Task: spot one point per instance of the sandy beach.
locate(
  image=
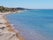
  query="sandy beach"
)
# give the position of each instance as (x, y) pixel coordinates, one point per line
(6, 27)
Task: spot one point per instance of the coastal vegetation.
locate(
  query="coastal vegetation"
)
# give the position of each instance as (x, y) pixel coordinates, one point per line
(6, 9)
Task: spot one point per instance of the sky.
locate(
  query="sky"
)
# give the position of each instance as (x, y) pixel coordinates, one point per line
(31, 4)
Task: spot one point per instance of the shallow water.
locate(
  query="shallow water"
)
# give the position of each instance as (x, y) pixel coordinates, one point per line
(34, 24)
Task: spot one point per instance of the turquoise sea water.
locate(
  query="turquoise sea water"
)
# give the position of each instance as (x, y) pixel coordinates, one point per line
(34, 24)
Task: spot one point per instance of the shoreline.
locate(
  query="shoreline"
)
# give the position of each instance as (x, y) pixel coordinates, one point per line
(6, 13)
(8, 25)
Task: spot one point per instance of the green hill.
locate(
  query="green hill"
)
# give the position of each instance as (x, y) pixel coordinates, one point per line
(6, 9)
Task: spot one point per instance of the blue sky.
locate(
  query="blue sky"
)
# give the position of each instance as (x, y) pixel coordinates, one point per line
(33, 4)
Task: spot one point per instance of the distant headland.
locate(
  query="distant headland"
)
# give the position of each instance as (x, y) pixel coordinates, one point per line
(7, 9)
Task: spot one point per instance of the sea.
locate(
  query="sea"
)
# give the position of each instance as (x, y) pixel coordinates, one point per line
(35, 24)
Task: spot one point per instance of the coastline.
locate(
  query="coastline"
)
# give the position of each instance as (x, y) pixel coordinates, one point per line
(6, 13)
(8, 25)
